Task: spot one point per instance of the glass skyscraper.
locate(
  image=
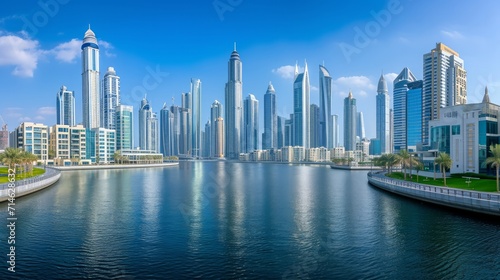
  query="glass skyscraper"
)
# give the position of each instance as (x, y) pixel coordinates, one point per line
(360, 127)
(301, 115)
(196, 117)
(65, 106)
(215, 114)
(325, 108)
(148, 128)
(124, 120)
(399, 106)
(166, 131)
(383, 125)
(270, 140)
(90, 81)
(110, 98)
(350, 120)
(234, 107)
(315, 126)
(251, 124)
(414, 125)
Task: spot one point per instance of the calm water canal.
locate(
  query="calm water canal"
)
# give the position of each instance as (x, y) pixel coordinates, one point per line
(242, 220)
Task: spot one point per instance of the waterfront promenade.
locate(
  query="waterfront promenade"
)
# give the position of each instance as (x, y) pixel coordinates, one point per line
(114, 166)
(31, 185)
(480, 202)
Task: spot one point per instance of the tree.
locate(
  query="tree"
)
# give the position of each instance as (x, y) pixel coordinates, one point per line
(406, 160)
(419, 167)
(494, 160)
(118, 157)
(444, 161)
(11, 157)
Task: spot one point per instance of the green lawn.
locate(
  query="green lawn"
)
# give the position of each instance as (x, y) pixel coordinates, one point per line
(19, 176)
(484, 185)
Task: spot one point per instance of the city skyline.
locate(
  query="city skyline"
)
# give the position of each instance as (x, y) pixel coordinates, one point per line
(54, 48)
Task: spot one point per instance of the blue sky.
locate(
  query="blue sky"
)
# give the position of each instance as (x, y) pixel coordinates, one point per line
(356, 40)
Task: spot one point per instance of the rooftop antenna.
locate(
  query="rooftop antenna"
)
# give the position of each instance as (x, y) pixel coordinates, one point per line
(234, 46)
(173, 99)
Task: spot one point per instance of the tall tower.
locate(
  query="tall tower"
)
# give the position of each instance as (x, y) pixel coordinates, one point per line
(270, 139)
(383, 116)
(301, 115)
(444, 83)
(196, 117)
(325, 108)
(110, 98)
(350, 116)
(215, 114)
(124, 123)
(66, 107)
(234, 106)
(315, 126)
(219, 138)
(90, 81)
(360, 127)
(148, 128)
(166, 131)
(399, 105)
(251, 124)
(186, 130)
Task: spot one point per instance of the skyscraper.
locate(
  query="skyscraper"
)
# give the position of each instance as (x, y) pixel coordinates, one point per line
(219, 138)
(383, 117)
(251, 124)
(325, 108)
(360, 127)
(280, 132)
(336, 130)
(66, 107)
(196, 117)
(186, 136)
(176, 126)
(315, 126)
(215, 114)
(207, 139)
(414, 116)
(148, 128)
(399, 105)
(444, 83)
(124, 123)
(234, 106)
(166, 131)
(301, 115)
(270, 140)
(90, 81)
(110, 98)
(350, 117)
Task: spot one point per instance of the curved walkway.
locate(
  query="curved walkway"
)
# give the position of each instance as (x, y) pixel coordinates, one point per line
(30, 185)
(113, 166)
(481, 202)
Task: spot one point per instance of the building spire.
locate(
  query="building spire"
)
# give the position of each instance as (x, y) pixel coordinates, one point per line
(486, 98)
(234, 46)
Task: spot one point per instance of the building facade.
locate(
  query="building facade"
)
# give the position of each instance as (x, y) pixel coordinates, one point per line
(148, 128)
(325, 109)
(234, 107)
(215, 114)
(90, 81)
(350, 122)
(124, 123)
(383, 118)
(65, 107)
(301, 115)
(315, 126)
(166, 131)
(414, 117)
(196, 118)
(270, 137)
(68, 144)
(251, 124)
(399, 105)
(110, 98)
(32, 138)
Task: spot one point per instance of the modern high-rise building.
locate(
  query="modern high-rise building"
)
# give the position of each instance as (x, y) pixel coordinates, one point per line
(90, 81)
(186, 136)
(33, 138)
(269, 139)
(148, 128)
(251, 124)
(301, 115)
(110, 98)
(68, 144)
(414, 116)
(289, 131)
(336, 130)
(207, 139)
(166, 131)
(215, 114)
(280, 135)
(176, 129)
(219, 138)
(360, 127)
(350, 121)
(124, 123)
(4, 137)
(196, 118)
(315, 126)
(65, 107)
(444, 83)
(383, 117)
(234, 106)
(325, 108)
(399, 106)
(100, 145)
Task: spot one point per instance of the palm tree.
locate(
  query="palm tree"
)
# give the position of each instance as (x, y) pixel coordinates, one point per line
(419, 167)
(494, 160)
(11, 157)
(444, 161)
(403, 158)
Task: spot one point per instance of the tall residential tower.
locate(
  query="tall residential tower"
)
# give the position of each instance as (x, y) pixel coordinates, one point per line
(234, 106)
(66, 107)
(90, 81)
(383, 117)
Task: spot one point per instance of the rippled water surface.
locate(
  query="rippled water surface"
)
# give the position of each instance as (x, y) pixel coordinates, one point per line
(242, 220)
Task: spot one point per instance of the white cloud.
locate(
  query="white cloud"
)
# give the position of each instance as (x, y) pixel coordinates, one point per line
(46, 111)
(107, 47)
(453, 34)
(67, 52)
(21, 53)
(314, 88)
(358, 85)
(389, 78)
(287, 72)
(24, 119)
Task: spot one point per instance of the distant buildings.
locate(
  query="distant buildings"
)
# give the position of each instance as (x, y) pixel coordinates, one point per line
(382, 127)
(110, 98)
(196, 118)
(270, 136)
(315, 126)
(350, 122)
(217, 140)
(360, 127)
(90, 81)
(251, 124)
(166, 131)
(124, 124)
(65, 107)
(148, 128)
(301, 115)
(234, 107)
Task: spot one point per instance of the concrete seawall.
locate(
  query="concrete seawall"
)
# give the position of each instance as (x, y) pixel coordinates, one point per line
(31, 185)
(481, 202)
(113, 166)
